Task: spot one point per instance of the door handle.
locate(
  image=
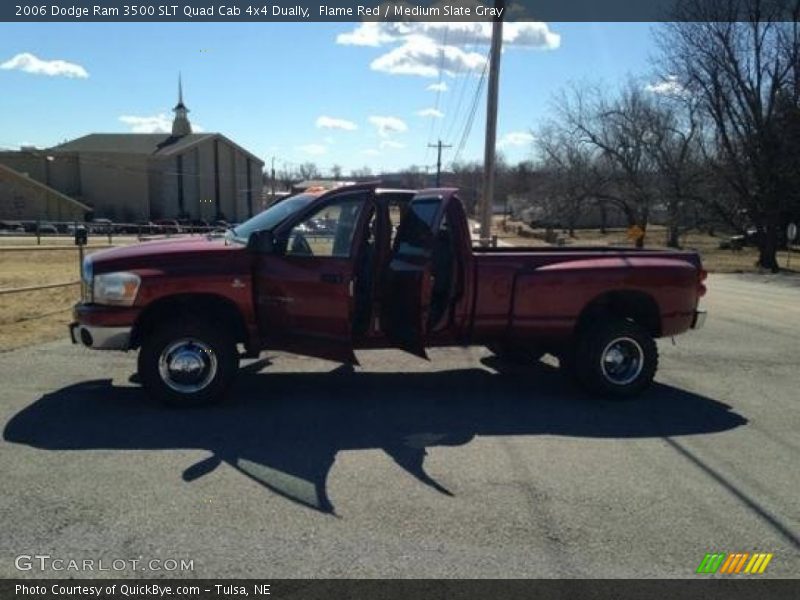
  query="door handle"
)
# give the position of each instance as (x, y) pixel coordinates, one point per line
(331, 278)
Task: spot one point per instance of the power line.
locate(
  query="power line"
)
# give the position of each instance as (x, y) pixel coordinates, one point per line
(473, 110)
(457, 94)
(445, 33)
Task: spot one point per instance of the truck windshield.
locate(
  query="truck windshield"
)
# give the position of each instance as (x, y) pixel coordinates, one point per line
(270, 218)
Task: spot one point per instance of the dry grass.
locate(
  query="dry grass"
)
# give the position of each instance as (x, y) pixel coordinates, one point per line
(33, 317)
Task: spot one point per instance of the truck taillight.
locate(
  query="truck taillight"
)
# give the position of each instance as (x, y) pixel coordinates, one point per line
(702, 274)
(701, 290)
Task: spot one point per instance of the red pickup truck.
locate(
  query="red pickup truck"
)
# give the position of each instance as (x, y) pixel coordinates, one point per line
(327, 273)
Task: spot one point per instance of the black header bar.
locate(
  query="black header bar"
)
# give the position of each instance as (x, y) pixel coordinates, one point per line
(704, 587)
(348, 11)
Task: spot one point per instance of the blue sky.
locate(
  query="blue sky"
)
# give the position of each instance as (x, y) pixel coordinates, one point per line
(266, 86)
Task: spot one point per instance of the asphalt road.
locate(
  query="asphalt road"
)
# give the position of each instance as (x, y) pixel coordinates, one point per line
(461, 467)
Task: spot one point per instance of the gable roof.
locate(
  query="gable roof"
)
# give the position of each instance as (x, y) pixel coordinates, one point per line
(7, 172)
(129, 143)
(151, 144)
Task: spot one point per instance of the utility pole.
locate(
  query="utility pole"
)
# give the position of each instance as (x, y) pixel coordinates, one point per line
(272, 179)
(491, 126)
(439, 145)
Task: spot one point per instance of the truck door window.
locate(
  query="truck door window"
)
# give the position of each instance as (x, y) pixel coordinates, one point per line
(329, 231)
(415, 235)
(396, 204)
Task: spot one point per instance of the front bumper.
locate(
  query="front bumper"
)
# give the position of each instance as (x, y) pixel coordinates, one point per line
(699, 319)
(100, 338)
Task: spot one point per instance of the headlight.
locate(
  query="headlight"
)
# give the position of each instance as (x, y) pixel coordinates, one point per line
(118, 289)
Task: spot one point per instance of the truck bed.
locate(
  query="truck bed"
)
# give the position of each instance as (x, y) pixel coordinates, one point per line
(542, 291)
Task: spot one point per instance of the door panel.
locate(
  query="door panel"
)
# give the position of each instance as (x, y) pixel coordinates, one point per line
(407, 289)
(304, 290)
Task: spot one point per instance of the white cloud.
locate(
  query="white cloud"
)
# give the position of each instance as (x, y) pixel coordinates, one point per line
(160, 123)
(371, 152)
(430, 112)
(426, 48)
(392, 144)
(516, 138)
(388, 125)
(368, 33)
(437, 87)
(30, 63)
(313, 149)
(325, 122)
(530, 34)
(669, 86)
(421, 55)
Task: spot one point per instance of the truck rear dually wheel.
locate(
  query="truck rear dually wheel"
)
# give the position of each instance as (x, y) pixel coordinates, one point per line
(617, 359)
(188, 363)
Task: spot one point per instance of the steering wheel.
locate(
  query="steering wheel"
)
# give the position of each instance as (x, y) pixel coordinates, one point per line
(300, 245)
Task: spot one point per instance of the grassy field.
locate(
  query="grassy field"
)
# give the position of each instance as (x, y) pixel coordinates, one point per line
(33, 317)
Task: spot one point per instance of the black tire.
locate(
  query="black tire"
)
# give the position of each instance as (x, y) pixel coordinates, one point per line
(205, 358)
(517, 354)
(617, 359)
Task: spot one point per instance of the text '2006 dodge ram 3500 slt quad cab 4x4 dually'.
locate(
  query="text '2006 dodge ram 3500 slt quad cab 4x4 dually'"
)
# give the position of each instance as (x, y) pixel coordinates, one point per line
(323, 274)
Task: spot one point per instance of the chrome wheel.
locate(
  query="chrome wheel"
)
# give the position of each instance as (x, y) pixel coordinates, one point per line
(187, 365)
(622, 361)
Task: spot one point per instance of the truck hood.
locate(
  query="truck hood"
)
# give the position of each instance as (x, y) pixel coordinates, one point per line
(146, 254)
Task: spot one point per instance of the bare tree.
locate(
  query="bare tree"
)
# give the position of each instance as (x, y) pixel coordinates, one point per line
(741, 59)
(362, 173)
(674, 143)
(336, 172)
(619, 129)
(286, 176)
(413, 177)
(308, 170)
(573, 180)
(468, 178)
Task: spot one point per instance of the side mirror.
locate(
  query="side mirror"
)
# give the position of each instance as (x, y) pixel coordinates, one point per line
(262, 242)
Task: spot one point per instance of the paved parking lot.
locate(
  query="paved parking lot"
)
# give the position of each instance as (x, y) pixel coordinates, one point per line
(460, 467)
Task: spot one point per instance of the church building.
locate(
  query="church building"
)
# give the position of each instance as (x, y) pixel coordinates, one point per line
(130, 177)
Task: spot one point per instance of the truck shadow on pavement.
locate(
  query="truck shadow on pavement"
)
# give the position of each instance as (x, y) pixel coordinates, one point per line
(285, 429)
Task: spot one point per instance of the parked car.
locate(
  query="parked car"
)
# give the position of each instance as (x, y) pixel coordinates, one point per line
(100, 226)
(47, 228)
(11, 227)
(166, 226)
(186, 304)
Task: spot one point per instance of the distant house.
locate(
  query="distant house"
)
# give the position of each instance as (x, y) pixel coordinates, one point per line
(143, 176)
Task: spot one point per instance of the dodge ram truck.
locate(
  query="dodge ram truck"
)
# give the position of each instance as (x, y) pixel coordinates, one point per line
(326, 273)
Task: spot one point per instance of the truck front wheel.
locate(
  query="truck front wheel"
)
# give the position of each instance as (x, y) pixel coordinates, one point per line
(188, 363)
(617, 359)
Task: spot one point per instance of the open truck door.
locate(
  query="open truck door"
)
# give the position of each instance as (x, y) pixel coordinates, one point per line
(305, 283)
(408, 278)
